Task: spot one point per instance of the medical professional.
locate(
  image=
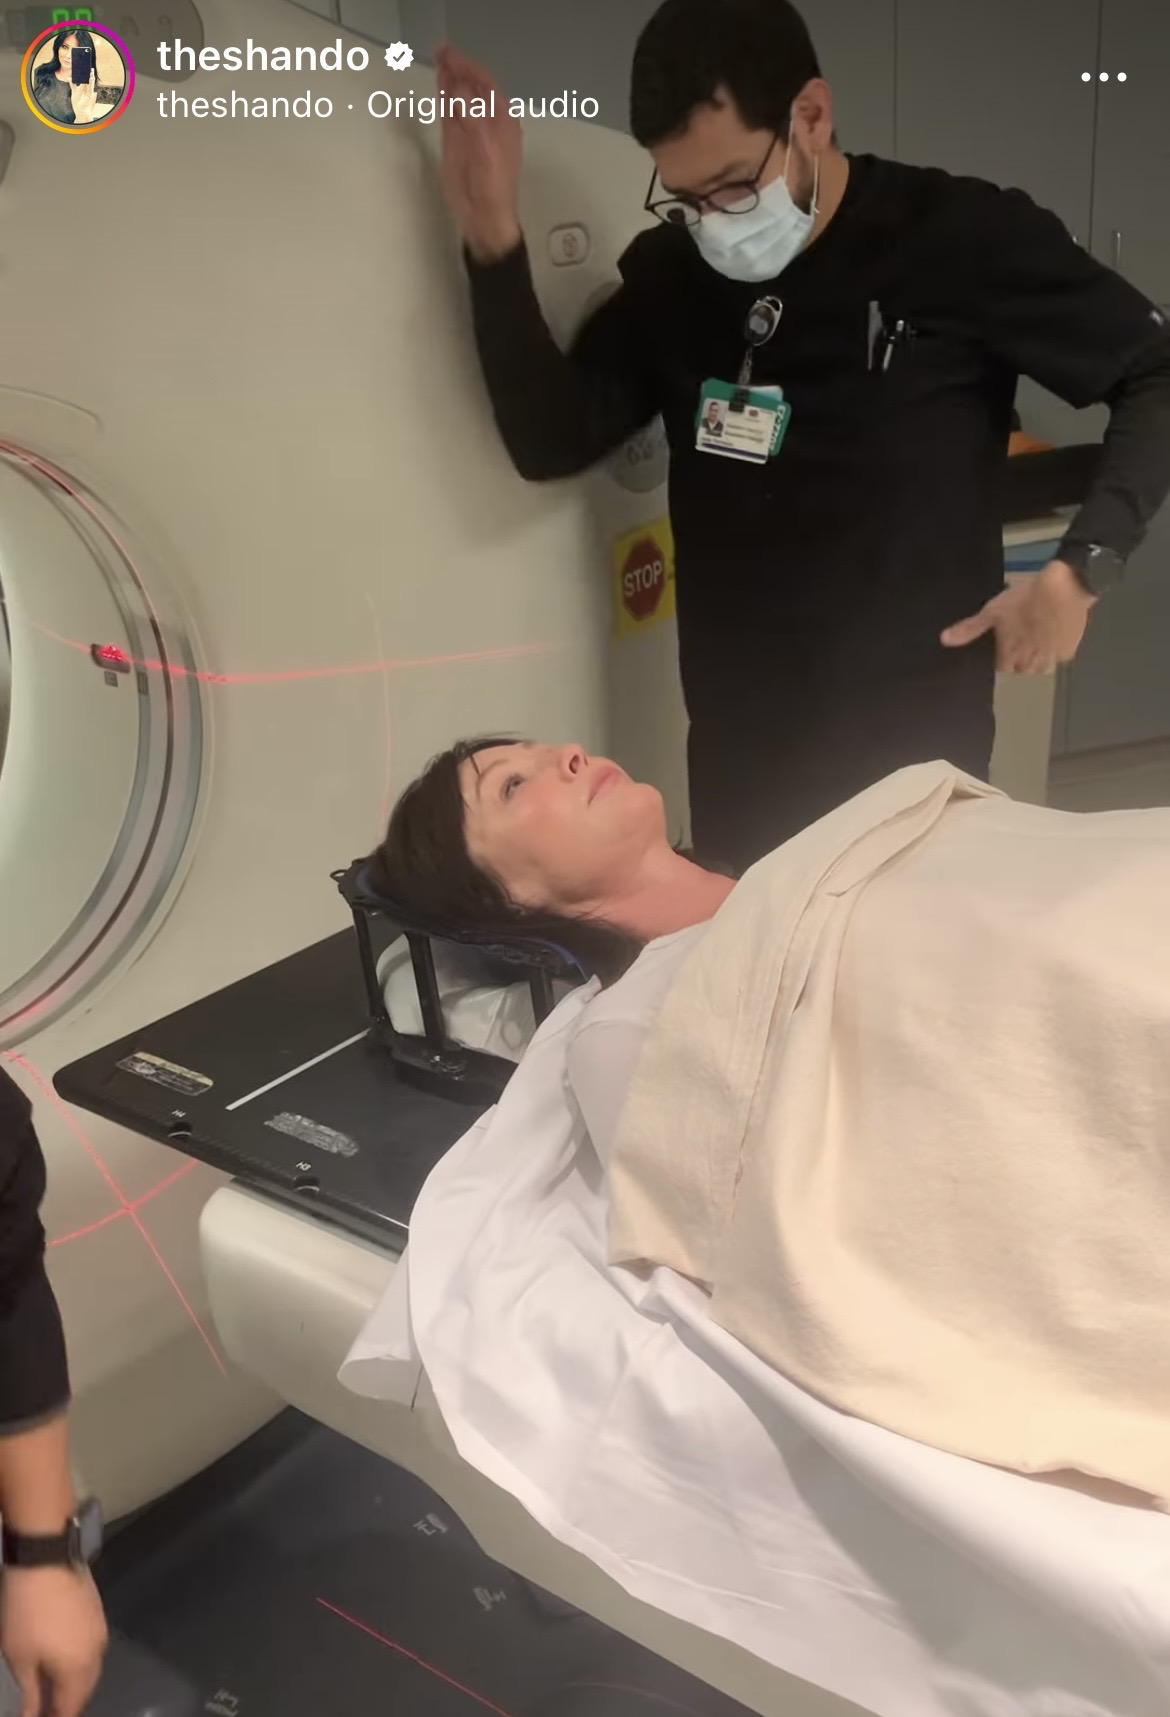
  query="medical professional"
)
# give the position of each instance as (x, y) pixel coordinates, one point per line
(839, 563)
(52, 1629)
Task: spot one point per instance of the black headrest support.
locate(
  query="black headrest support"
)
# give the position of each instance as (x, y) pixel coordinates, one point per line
(529, 953)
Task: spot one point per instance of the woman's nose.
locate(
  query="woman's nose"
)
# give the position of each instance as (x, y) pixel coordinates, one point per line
(572, 759)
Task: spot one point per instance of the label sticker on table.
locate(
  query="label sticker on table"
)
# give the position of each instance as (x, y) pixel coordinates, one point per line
(312, 1133)
(166, 1073)
(643, 564)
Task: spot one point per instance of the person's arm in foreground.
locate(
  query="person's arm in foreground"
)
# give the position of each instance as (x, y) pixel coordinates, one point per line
(1057, 315)
(52, 1627)
(557, 413)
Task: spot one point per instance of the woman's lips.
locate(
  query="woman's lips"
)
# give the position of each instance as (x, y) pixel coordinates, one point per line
(604, 778)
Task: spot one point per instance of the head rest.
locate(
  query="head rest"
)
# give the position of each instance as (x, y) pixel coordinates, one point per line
(528, 952)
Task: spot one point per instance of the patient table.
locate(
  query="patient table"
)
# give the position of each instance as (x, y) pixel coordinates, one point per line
(275, 1081)
(931, 1584)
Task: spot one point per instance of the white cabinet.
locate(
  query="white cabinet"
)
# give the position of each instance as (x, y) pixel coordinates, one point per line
(1131, 183)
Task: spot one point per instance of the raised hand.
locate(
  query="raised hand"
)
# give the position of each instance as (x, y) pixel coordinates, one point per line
(481, 159)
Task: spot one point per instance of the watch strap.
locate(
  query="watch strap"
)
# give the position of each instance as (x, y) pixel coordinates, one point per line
(75, 1546)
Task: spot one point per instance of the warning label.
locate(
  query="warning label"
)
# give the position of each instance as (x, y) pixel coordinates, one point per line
(159, 1072)
(308, 1132)
(644, 578)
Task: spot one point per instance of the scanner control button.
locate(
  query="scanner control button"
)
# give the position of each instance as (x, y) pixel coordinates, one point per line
(568, 245)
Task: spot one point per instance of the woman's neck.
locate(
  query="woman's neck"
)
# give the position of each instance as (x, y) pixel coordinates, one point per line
(676, 895)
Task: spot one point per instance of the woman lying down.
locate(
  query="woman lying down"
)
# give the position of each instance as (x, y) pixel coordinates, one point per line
(898, 1100)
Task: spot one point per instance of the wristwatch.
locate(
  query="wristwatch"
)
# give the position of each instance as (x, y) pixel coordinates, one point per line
(1098, 568)
(75, 1547)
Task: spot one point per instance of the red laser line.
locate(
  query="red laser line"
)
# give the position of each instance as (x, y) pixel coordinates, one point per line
(205, 676)
(23, 1062)
(178, 1292)
(387, 721)
(584, 1686)
(90, 1228)
(413, 1657)
(128, 1208)
(163, 1185)
(116, 1215)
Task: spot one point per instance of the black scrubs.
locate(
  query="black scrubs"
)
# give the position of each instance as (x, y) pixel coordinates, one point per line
(34, 1374)
(812, 591)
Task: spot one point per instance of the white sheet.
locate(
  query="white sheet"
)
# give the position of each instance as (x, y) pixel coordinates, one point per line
(478, 1011)
(912, 1582)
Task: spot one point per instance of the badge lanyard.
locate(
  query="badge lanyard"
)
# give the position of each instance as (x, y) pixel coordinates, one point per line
(763, 319)
(735, 419)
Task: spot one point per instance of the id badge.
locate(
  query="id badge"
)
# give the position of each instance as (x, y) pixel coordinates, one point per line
(746, 423)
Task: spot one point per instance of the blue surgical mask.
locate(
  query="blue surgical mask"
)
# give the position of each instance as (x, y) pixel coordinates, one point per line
(760, 243)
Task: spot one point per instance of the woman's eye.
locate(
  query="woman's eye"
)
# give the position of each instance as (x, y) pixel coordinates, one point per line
(511, 784)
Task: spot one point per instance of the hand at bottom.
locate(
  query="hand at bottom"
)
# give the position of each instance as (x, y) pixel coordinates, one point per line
(53, 1634)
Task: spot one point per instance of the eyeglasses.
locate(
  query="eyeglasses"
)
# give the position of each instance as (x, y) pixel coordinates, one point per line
(735, 199)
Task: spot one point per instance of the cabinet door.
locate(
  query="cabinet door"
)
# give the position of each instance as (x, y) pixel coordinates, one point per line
(1131, 228)
(1117, 692)
(993, 88)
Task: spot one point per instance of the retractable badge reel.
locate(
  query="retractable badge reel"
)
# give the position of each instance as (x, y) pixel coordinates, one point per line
(735, 419)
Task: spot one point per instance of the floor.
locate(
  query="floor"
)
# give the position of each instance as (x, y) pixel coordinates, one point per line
(305, 1577)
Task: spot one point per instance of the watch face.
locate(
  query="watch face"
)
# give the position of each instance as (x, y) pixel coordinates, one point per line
(1103, 568)
(89, 1525)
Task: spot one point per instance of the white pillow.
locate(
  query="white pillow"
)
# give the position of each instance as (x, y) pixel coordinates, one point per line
(478, 1011)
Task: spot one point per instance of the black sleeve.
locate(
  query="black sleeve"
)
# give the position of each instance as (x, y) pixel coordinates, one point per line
(1132, 479)
(558, 413)
(34, 1374)
(1047, 309)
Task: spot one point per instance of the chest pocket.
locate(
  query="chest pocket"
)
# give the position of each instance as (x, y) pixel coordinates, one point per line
(848, 376)
(822, 361)
(914, 363)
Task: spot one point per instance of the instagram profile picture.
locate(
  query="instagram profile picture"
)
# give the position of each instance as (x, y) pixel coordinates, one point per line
(78, 77)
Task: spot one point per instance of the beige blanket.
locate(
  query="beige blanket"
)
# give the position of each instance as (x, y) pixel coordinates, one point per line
(906, 1116)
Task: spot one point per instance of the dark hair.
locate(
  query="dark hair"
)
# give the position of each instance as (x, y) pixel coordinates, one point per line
(53, 66)
(423, 863)
(760, 51)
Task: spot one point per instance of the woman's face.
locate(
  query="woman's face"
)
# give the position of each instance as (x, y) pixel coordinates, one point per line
(65, 55)
(563, 831)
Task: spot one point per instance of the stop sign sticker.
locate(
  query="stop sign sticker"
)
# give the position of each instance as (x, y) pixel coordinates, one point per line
(644, 577)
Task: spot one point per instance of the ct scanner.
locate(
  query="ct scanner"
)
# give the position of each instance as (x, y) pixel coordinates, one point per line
(261, 553)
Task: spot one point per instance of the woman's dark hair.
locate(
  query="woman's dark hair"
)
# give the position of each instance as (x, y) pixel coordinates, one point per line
(760, 51)
(423, 864)
(53, 66)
